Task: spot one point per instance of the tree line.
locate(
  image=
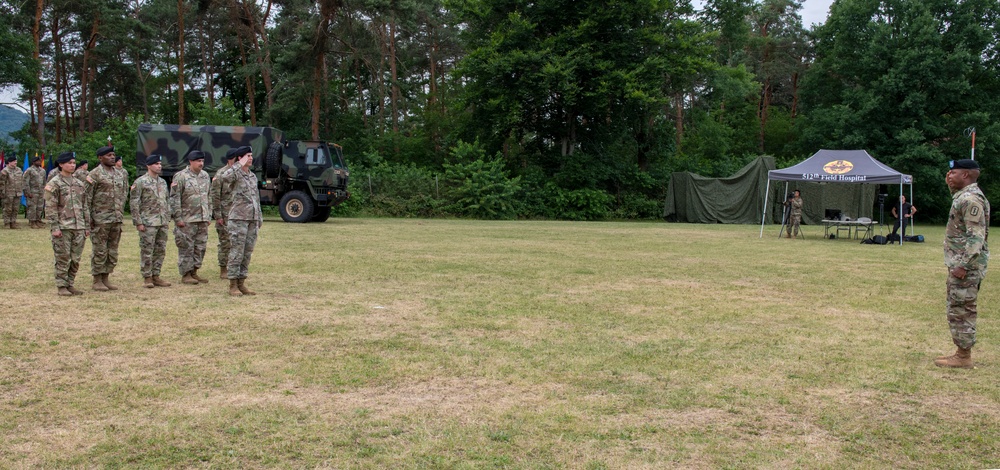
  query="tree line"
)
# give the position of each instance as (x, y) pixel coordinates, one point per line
(574, 109)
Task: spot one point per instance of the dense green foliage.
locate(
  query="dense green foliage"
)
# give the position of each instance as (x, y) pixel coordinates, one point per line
(579, 109)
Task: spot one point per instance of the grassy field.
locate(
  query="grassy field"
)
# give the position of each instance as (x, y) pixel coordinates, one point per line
(468, 344)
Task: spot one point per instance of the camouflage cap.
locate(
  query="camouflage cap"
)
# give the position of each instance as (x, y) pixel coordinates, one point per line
(195, 155)
(105, 150)
(65, 157)
(964, 164)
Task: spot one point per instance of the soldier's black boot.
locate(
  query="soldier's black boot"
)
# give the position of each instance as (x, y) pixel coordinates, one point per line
(99, 283)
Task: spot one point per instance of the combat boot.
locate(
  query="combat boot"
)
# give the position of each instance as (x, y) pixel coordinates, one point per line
(147, 282)
(223, 272)
(187, 279)
(962, 359)
(234, 289)
(160, 282)
(241, 285)
(13, 225)
(107, 282)
(64, 292)
(194, 274)
(74, 290)
(99, 283)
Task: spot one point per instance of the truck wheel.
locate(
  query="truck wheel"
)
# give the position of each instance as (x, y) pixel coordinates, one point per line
(322, 214)
(272, 160)
(296, 206)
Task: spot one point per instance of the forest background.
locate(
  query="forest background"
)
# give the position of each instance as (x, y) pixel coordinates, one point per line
(500, 109)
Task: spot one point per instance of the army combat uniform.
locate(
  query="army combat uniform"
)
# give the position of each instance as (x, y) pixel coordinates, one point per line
(221, 202)
(151, 209)
(794, 216)
(965, 246)
(11, 182)
(191, 203)
(243, 221)
(107, 191)
(67, 211)
(34, 190)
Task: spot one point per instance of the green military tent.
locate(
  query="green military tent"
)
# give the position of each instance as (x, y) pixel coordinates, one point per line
(692, 198)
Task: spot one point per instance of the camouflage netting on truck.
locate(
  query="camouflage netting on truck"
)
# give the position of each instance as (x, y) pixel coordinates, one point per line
(174, 142)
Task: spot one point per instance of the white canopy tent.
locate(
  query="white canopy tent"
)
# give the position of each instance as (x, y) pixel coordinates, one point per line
(838, 166)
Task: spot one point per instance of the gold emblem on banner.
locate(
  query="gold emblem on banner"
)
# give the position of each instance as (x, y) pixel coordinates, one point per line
(838, 167)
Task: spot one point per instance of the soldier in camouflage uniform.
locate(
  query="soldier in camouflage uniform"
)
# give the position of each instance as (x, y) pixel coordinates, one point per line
(151, 217)
(34, 193)
(11, 180)
(221, 202)
(243, 221)
(794, 214)
(107, 191)
(81, 172)
(966, 255)
(68, 215)
(191, 209)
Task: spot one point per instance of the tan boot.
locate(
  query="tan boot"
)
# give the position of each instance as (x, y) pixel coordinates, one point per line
(74, 291)
(962, 359)
(194, 274)
(187, 279)
(223, 272)
(13, 225)
(160, 282)
(241, 285)
(234, 289)
(99, 283)
(147, 282)
(107, 283)
(64, 292)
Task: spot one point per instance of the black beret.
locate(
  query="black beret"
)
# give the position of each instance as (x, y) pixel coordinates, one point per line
(118, 158)
(105, 150)
(65, 157)
(153, 159)
(964, 164)
(195, 155)
(231, 153)
(35, 159)
(241, 151)
(11, 160)
(81, 162)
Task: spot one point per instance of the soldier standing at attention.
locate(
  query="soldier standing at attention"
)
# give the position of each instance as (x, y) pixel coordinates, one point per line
(81, 171)
(243, 221)
(151, 217)
(966, 255)
(221, 202)
(34, 192)
(191, 209)
(69, 219)
(795, 213)
(11, 179)
(107, 191)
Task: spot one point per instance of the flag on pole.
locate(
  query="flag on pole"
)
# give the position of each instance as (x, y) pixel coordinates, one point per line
(3, 161)
(24, 200)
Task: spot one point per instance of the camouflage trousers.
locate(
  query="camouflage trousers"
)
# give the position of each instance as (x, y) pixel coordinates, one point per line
(793, 223)
(961, 310)
(191, 241)
(224, 244)
(104, 238)
(36, 206)
(68, 248)
(243, 235)
(11, 204)
(152, 250)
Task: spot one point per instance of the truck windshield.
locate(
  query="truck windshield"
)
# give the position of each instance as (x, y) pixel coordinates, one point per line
(315, 156)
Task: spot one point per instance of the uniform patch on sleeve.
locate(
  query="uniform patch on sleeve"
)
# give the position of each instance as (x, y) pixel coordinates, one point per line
(974, 211)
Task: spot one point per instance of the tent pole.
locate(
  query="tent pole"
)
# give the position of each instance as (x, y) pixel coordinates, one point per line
(901, 218)
(784, 213)
(763, 215)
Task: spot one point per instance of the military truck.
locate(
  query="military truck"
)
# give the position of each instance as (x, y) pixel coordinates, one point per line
(304, 178)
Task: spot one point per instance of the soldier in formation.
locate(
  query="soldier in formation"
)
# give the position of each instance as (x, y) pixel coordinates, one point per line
(107, 191)
(34, 193)
(82, 171)
(242, 221)
(221, 203)
(151, 217)
(191, 209)
(11, 181)
(966, 255)
(68, 216)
